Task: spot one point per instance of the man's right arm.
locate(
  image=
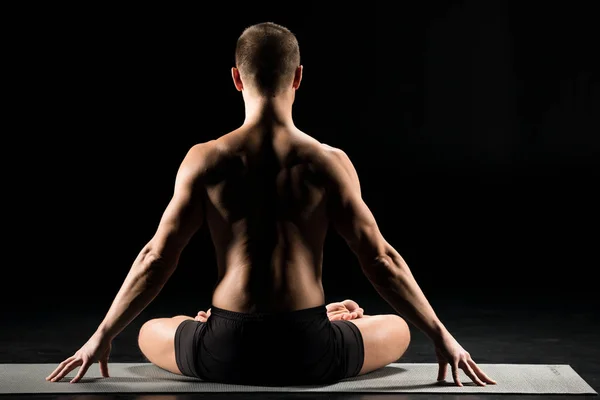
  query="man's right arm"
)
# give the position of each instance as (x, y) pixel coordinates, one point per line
(380, 262)
(386, 269)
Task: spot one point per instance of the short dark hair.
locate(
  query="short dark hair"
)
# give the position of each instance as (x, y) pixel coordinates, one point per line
(268, 54)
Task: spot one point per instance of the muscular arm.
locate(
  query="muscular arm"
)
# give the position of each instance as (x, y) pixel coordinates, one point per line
(381, 263)
(159, 257)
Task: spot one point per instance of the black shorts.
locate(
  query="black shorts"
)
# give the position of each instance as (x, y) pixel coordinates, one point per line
(291, 348)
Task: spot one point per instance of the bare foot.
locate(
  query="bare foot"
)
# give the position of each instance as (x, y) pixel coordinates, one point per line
(345, 310)
(202, 316)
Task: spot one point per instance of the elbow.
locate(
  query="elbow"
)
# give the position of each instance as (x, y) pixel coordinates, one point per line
(378, 267)
(383, 262)
(153, 268)
(149, 256)
(151, 259)
(384, 266)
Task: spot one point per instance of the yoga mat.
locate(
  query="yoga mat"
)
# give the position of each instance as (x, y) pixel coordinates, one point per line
(393, 378)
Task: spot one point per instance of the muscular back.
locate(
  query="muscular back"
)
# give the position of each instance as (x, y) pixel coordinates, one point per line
(266, 193)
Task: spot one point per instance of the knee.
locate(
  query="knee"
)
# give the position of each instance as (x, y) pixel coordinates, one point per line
(401, 323)
(145, 331)
(401, 331)
(180, 318)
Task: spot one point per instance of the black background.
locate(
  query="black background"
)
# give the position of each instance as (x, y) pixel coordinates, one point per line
(473, 127)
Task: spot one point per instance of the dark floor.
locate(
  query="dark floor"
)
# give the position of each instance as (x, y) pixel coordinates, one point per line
(527, 332)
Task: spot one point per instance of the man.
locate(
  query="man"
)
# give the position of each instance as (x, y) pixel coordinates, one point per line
(268, 193)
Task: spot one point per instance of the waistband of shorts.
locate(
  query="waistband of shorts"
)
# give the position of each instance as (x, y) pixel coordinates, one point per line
(296, 315)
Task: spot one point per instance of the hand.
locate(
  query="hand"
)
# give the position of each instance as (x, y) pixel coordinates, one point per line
(202, 316)
(448, 351)
(345, 311)
(96, 349)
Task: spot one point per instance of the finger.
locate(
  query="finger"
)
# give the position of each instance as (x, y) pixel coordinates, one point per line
(455, 375)
(480, 373)
(350, 304)
(360, 312)
(338, 318)
(61, 372)
(469, 371)
(66, 369)
(82, 371)
(104, 368)
(59, 368)
(442, 371)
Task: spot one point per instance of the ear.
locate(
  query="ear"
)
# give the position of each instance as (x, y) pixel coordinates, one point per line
(237, 79)
(297, 77)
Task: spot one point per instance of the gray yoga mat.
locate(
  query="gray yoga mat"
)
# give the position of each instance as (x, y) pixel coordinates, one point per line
(394, 378)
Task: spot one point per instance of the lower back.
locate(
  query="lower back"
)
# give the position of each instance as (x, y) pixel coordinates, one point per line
(285, 286)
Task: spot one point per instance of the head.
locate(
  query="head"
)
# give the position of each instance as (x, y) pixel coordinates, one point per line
(267, 60)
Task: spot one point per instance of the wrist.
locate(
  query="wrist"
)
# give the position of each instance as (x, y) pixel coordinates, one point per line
(103, 334)
(437, 332)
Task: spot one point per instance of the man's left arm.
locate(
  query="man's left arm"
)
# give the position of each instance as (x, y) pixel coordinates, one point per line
(153, 266)
(158, 259)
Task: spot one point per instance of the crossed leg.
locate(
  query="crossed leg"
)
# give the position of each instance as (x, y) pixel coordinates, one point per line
(157, 341)
(385, 338)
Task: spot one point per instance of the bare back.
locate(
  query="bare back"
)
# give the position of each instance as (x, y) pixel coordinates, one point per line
(266, 208)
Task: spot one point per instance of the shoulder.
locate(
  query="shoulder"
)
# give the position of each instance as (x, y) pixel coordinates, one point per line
(335, 159)
(321, 154)
(199, 152)
(339, 169)
(198, 160)
(336, 153)
(331, 163)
